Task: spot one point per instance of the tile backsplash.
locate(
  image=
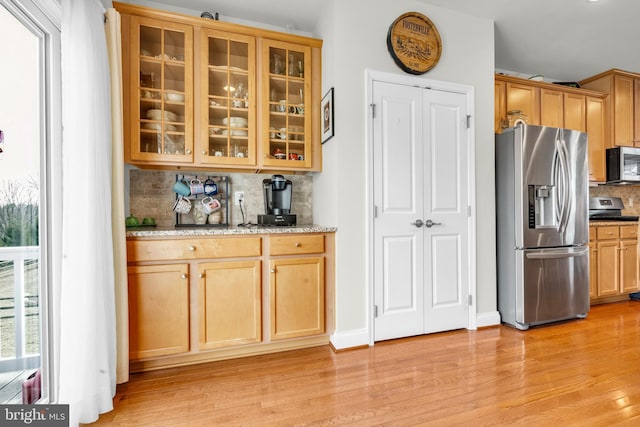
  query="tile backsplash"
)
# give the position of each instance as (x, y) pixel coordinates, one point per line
(630, 196)
(151, 195)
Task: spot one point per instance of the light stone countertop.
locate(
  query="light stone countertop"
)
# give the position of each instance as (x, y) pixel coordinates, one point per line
(224, 231)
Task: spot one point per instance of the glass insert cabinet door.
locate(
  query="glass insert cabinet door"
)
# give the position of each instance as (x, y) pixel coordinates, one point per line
(288, 91)
(162, 94)
(229, 105)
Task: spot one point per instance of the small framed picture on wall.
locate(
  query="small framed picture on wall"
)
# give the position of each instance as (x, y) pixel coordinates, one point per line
(326, 109)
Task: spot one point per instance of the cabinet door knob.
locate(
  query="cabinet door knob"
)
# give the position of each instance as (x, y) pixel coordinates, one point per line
(266, 156)
(188, 151)
(298, 244)
(204, 152)
(200, 276)
(273, 270)
(192, 248)
(184, 276)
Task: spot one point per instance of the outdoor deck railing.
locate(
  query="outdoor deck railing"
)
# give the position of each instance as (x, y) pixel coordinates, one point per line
(18, 305)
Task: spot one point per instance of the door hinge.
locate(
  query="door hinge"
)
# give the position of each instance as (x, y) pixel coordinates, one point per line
(470, 300)
(373, 110)
(468, 121)
(375, 311)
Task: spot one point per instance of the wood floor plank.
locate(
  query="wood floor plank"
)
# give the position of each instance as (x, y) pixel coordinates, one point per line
(582, 372)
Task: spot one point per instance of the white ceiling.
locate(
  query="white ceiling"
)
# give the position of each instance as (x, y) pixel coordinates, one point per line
(565, 40)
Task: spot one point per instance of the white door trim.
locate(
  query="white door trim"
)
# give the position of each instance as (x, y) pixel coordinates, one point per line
(370, 77)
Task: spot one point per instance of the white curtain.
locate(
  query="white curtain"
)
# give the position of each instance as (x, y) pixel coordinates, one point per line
(114, 44)
(87, 349)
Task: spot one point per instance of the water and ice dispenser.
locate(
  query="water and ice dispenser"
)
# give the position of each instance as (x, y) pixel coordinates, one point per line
(542, 206)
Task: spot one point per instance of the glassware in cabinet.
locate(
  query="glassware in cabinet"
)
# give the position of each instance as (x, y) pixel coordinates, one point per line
(162, 120)
(288, 140)
(229, 105)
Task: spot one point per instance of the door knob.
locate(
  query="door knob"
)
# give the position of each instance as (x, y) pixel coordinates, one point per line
(418, 223)
(430, 223)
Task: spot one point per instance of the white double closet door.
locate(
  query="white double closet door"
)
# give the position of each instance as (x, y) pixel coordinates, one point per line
(421, 224)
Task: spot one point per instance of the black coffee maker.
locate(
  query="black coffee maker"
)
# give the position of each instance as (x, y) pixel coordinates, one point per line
(277, 202)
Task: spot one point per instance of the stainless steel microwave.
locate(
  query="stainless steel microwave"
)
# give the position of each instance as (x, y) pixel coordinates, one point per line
(623, 165)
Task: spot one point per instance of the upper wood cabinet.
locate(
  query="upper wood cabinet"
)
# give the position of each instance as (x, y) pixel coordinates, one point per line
(288, 116)
(622, 116)
(636, 112)
(227, 101)
(500, 105)
(595, 123)
(209, 94)
(551, 108)
(158, 91)
(574, 112)
(525, 99)
(540, 103)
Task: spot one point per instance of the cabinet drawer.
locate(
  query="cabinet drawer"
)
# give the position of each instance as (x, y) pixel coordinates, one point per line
(158, 250)
(293, 245)
(605, 233)
(628, 231)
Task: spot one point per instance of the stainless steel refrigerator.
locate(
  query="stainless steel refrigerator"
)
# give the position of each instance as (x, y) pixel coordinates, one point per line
(542, 225)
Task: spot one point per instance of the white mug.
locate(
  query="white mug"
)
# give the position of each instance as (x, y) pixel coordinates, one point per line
(196, 186)
(210, 205)
(182, 206)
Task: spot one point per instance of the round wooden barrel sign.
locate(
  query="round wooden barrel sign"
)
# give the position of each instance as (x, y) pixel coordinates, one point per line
(414, 43)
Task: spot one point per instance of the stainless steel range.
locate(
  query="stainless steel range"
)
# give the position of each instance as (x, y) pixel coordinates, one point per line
(608, 209)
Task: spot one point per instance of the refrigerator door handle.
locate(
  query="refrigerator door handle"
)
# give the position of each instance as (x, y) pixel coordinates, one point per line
(557, 183)
(562, 179)
(558, 254)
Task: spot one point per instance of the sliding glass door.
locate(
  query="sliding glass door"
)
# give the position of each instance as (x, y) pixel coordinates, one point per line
(26, 144)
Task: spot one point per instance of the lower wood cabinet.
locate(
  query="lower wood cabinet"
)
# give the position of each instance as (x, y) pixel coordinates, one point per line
(614, 262)
(229, 303)
(200, 299)
(158, 310)
(296, 285)
(297, 297)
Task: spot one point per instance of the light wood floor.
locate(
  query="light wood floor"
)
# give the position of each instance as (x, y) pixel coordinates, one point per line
(582, 372)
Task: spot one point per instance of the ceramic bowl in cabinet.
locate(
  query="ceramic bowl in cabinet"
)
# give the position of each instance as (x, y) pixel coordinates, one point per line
(235, 122)
(235, 132)
(174, 97)
(162, 115)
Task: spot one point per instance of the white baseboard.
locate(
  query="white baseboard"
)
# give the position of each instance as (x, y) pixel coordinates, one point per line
(360, 337)
(490, 318)
(349, 339)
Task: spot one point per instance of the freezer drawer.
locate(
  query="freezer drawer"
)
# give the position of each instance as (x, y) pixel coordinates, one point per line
(554, 285)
